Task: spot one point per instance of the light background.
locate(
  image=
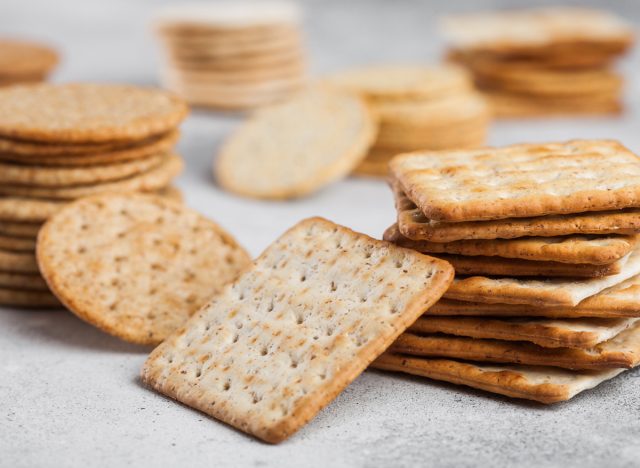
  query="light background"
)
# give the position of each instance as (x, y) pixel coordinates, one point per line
(69, 395)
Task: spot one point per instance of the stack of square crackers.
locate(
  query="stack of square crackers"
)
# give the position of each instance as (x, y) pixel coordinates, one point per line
(25, 61)
(63, 142)
(418, 108)
(543, 61)
(233, 56)
(543, 239)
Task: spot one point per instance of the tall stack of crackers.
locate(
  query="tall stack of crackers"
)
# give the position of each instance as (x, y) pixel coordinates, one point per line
(543, 61)
(25, 61)
(418, 108)
(63, 142)
(234, 56)
(543, 238)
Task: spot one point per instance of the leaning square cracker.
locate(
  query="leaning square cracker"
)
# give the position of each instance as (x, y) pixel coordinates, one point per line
(520, 180)
(549, 292)
(543, 384)
(282, 341)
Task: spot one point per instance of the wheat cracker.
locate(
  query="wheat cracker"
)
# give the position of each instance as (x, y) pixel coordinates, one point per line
(17, 244)
(18, 262)
(20, 59)
(22, 281)
(23, 230)
(28, 299)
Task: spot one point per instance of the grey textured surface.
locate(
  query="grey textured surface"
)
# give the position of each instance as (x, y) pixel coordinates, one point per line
(70, 396)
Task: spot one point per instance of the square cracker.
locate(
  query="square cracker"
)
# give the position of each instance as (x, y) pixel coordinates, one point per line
(282, 341)
(413, 224)
(543, 384)
(548, 333)
(549, 292)
(520, 180)
(597, 250)
(623, 350)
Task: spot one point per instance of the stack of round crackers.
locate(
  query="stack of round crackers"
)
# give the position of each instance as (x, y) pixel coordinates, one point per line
(25, 61)
(544, 241)
(233, 56)
(63, 142)
(418, 108)
(543, 61)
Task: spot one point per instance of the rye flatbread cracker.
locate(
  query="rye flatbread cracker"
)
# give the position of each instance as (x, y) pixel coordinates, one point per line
(520, 180)
(413, 224)
(23, 262)
(83, 112)
(597, 250)
(293, 331)
(296, 147)
(136, 266)
(548, 333)
(623, 350)
(543, 384)
(23, 281)
(28, 299)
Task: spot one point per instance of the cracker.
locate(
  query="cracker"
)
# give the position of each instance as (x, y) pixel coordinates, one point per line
(82, 112)
(22, 281)
(403, 82)
(597, 250)
(623, 350)
(292, 332)
(17, 244)
(543, 384)
(296, 147)
(549, 333)
(18, 262)
(136, 266)
(413, 224)
(19, 59)
(20, 229)
(28, 299)
(499, 266)
(42, 176)
(550, 292)
(524, 180)
(149, 181)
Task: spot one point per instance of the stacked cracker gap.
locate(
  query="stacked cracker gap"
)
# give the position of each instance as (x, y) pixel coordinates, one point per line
(418, 108)
(234, 56)
(543, 239)
(25, 61)
(543, 61)
(63, 142)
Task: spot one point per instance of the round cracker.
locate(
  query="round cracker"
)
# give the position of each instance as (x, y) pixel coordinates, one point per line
(296, 147)
(23, 262)
(42, 176)
(17, 244)
(20, 59)
(28, 299)
(150, 181)
(19, 229)
(24, 281)
(136, 266)
(86, 112)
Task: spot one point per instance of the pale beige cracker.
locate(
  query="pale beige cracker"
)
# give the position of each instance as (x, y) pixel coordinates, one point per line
(376, 164)
(549, 292)
(229, 90)
(83, 112)
(136, 266)
(241, 76)
(623, 350)
(455, 138)
(18, 262)
(413, 224)
(26, 230)
(542, 384)
(22, 58)
(28, 299)
(500, 266)
(22, 281)
(245, 62)
(403, 82)
(243, 34)
(296, 147)
(520, 180)
(27, 151)
(292, 332)
(597, 250)
(17, 244)
(43, 176)
(549, 333)
(150, 181)
(214, 48)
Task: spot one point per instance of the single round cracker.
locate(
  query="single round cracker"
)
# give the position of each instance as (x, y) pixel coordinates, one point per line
(231, 76)
(86, 112)
(296, 147)
(42, 176)
(21, 58)
(392, 82)
(28, 299)
(24, 281)
(150, 181)
(17, 244)
(23, 262)
(136, 266)
(245, 62)
(19, 229)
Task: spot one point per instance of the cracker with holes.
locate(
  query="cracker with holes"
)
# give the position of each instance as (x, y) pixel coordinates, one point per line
(294, 330)
(136, 266)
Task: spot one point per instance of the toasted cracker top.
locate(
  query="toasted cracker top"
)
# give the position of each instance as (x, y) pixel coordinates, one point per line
(87, 112)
